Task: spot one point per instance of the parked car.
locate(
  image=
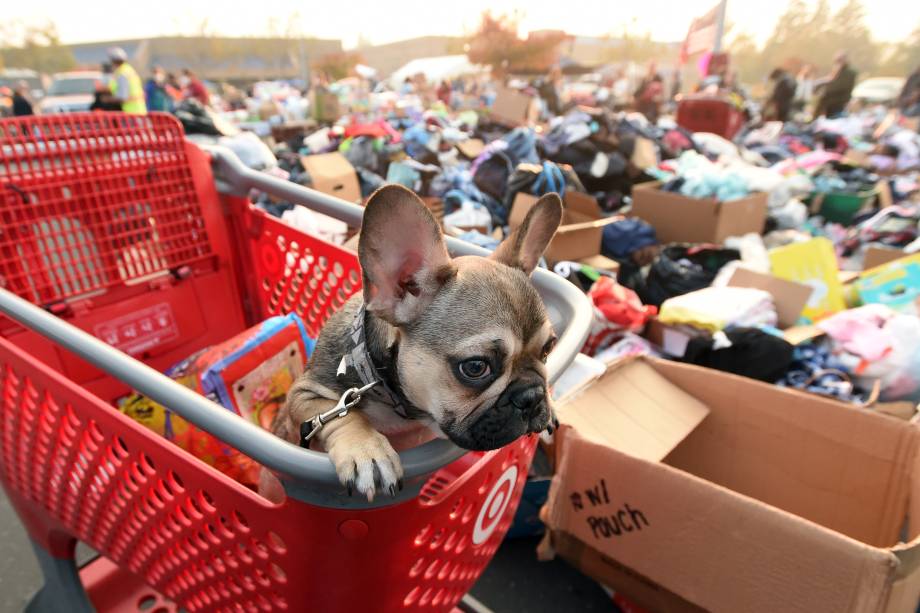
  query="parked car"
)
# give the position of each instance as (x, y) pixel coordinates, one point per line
(879, 90)
(71, 92)
(10, 77)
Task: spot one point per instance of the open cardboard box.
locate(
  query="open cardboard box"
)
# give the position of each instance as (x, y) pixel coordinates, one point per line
(688, 489)
(513, 107)
(333, 174)
(789, 298)
(578, 238)
(680, 219)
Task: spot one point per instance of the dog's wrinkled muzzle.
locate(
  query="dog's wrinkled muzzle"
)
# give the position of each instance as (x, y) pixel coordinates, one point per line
(521, 409)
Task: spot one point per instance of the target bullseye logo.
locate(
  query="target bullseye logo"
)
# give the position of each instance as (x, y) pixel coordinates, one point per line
(493, 508)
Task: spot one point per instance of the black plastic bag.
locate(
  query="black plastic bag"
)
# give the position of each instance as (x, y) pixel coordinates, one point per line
(492, 175)
(681, 269)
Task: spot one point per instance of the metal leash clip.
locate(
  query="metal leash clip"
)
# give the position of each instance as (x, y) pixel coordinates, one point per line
(347, 401)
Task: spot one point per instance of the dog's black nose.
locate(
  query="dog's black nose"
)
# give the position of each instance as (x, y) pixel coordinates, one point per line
(527, 400)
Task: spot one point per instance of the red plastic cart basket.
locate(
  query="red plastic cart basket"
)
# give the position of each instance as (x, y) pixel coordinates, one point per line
(114, 227)
(709, 114)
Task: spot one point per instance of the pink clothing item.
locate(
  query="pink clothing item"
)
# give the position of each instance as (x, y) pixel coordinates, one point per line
(862, 331)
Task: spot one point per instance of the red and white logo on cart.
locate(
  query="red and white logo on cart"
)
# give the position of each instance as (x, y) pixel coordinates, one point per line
(140, 330)
(493, 508)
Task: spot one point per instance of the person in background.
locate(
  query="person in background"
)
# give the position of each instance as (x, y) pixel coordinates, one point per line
(444, 93)
(407, 87)
(804, 87)
(102, 96)
(780, 103)
(22, 106)
(173, 88)
(838, 88)
(155, 92)
(126, 88)
(194, 88)
(619, 91)
(909, 98)
(650, 93)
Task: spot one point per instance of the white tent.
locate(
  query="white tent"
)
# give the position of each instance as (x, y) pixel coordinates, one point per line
(436, 69)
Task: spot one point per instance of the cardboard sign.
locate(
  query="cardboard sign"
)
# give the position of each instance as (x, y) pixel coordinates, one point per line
(332, 174)
(680, 219)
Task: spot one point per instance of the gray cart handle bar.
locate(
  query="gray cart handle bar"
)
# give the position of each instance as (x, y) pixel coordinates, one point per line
(307, 475)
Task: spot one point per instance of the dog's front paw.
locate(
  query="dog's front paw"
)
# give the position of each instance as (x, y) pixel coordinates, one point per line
(366, 463)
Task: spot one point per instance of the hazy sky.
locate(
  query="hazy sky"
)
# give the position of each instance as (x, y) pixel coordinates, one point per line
(385, 21)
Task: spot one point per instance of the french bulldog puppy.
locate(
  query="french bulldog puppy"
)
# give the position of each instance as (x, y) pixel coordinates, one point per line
(457, 347)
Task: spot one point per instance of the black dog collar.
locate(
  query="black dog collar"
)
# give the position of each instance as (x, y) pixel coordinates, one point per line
(357, 360)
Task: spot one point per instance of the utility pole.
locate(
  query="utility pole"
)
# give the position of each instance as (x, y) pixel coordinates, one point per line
(720, 27)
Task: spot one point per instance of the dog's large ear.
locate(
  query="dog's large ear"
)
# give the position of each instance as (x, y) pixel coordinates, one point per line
(402, 254)
(527, 243)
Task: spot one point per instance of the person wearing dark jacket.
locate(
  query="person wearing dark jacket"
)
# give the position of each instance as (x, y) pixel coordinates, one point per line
(21, 104)
(781, 99)
(909, 98)
(838, 89)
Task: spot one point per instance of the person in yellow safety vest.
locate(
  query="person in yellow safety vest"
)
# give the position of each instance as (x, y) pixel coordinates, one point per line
(127, 88)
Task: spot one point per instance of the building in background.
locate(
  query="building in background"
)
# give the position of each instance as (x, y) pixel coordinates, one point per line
(385, 59)
(215, 58)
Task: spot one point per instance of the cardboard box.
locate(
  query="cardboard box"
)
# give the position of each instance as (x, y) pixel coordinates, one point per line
(513, 108)
(679, 219)
(895, 284)
(775, 500)
(471, 148)
(601, 262)
(332, 174)
(580, 233)
(789, 297)
(324, 105)
(877, 256)
(672, 339)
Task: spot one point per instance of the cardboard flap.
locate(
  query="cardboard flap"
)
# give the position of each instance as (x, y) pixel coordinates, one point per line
(471, 148)
(634, 410)
(584, 225)
(582, 371)
(583, 204)
(789, 297)
(879, 256)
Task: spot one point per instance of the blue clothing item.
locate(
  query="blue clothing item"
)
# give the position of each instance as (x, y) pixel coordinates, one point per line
(623, 238)
(814, 369)
(521, 146)
(157, 98)
(551, 179)
(416, 140)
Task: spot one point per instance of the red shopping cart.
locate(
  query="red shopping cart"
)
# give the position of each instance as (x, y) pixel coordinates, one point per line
(703, 113)
(124, 248)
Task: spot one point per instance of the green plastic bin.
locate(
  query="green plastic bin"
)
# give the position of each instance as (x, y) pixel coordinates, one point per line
(842, 207)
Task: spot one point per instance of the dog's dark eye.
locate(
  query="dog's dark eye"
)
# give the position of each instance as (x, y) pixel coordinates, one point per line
(548, 347)
(475, 369)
